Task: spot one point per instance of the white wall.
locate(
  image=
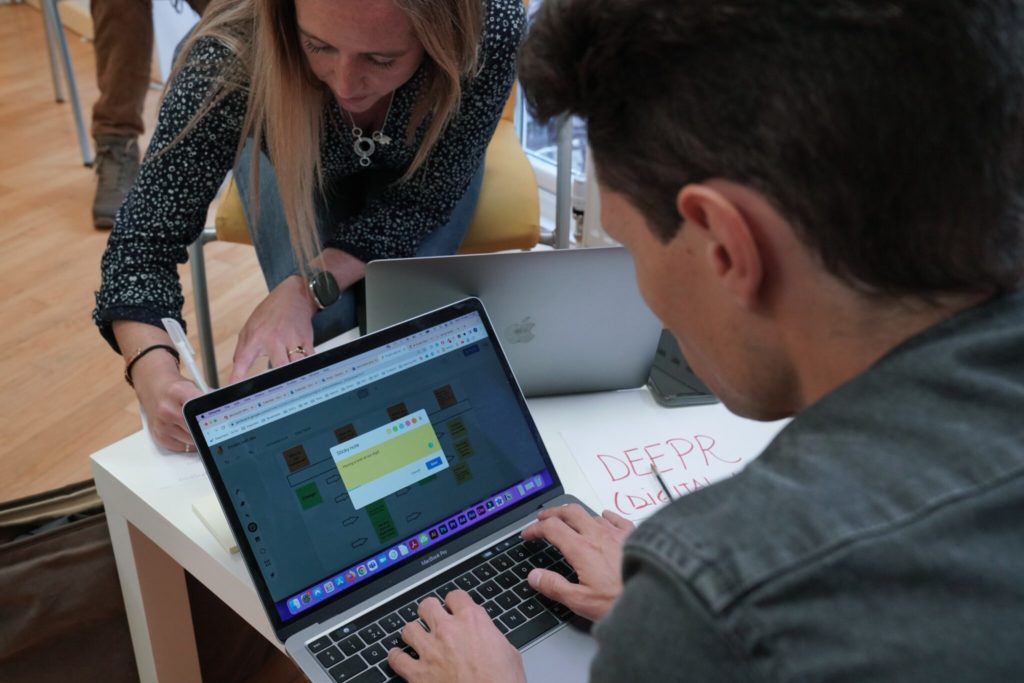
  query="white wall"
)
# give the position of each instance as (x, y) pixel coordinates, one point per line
(169, 28)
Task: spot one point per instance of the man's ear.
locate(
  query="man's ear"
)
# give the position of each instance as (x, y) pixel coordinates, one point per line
(728, 240)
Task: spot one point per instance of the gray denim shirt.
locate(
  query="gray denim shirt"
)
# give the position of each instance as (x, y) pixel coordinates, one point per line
(879, 537)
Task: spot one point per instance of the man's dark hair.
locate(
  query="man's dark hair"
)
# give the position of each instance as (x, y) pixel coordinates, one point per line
(891, 134)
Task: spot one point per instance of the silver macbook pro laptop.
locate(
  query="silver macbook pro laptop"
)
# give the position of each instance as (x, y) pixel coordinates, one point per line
(570, 320)
(365, 478)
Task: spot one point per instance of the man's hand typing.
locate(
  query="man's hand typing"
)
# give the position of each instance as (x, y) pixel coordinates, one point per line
(593, 546)
(462, 646)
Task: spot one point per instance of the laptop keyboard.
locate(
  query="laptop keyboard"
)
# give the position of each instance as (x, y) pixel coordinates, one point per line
(496, 578)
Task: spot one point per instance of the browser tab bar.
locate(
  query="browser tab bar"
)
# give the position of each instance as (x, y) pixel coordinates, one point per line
(348, 375)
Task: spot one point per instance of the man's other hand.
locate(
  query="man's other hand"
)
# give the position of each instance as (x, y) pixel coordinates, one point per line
(593, 546)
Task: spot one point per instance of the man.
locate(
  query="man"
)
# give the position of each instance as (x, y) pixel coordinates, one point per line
(123, 40)
(824, 203)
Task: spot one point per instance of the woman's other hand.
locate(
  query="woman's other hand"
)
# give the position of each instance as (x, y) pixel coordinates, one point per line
(281, 328)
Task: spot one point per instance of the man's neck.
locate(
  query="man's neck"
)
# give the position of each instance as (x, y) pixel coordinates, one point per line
(832, 346)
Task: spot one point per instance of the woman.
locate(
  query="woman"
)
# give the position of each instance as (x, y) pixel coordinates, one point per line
(375, 115)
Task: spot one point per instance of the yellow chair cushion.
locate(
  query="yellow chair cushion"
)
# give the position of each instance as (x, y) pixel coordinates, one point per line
(509, 112)
(507, 214)
(230, 223)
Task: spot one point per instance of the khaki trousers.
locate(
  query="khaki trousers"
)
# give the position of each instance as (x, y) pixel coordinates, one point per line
(124, 48)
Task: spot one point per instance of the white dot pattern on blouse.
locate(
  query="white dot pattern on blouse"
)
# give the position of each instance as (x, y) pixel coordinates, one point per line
(166, 209)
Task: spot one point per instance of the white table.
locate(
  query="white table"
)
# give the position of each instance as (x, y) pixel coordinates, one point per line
(156, 536)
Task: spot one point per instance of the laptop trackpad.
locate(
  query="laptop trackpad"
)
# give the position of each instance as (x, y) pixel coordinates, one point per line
(563, 656)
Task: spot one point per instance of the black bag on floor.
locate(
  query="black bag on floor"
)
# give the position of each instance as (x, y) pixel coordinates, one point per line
(62, 616)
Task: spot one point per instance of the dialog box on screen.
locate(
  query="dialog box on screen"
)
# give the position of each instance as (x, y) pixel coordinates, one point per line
(389, 458)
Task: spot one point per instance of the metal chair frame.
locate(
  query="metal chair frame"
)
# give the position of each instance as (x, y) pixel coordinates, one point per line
(200, 296)
(60, 60)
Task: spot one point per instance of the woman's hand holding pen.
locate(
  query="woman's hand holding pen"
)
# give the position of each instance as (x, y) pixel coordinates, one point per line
(162, 391)
(159, 384)
(593, 546)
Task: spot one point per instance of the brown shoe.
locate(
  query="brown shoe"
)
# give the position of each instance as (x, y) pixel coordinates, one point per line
(117, 164)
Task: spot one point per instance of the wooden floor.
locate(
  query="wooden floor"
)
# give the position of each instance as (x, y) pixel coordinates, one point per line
(61, 392)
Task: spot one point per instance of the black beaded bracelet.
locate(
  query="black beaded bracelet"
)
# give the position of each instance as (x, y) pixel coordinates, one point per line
(142, 352)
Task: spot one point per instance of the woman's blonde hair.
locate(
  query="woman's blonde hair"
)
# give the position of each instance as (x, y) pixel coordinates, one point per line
(286, 101)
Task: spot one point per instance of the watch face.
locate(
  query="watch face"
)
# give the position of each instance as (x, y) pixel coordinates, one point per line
(324, 288)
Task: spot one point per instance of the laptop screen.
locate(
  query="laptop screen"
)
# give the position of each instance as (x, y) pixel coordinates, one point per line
(371, 458)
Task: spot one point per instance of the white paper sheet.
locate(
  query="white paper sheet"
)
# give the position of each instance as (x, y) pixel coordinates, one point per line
(170, 468)
(691, 447)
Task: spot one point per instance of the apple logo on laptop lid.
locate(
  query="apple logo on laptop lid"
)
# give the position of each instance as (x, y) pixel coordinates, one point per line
(520, 332)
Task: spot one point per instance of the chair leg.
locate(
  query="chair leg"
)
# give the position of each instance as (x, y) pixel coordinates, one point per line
(563, 183)
(204, 328)
(69, 75)
(51, 50)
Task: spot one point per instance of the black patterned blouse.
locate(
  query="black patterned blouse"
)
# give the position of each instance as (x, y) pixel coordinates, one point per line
(166, 209)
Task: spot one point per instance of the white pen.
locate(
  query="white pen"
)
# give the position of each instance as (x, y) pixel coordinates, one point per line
(185, 350)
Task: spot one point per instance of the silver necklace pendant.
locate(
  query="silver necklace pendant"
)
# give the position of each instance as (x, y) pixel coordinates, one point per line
(363, 146)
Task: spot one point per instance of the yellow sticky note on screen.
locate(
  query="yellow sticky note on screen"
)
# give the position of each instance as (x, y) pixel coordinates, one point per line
(389, 458)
